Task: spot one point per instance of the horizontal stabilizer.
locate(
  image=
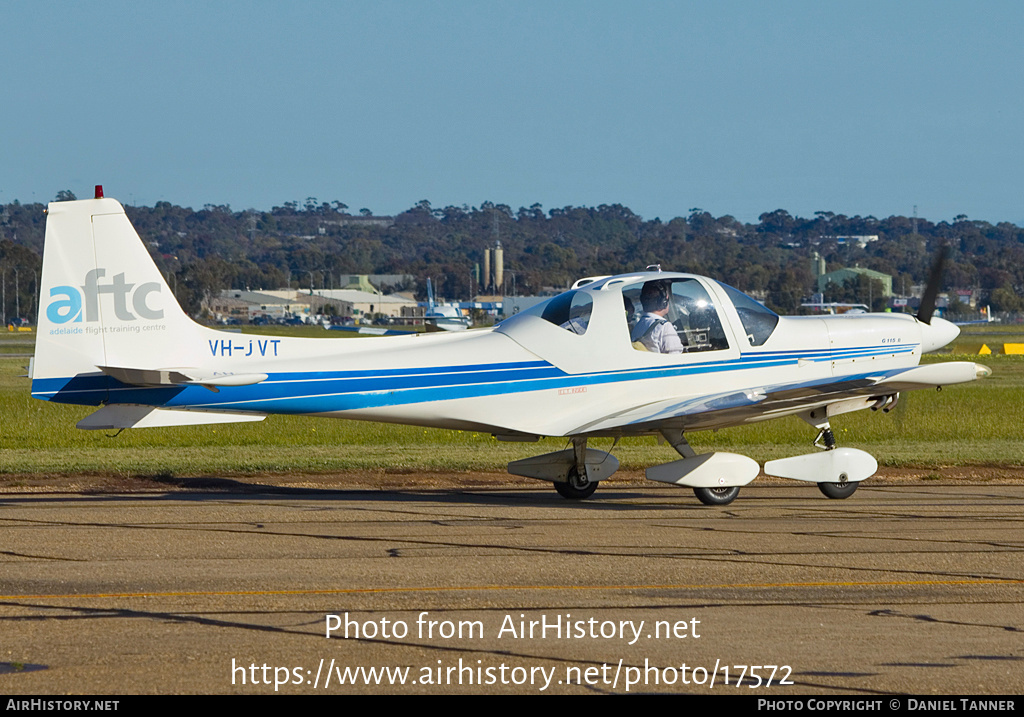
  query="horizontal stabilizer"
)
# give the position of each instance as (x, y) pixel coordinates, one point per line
(372, 331)
(181, 377)
(124, 415)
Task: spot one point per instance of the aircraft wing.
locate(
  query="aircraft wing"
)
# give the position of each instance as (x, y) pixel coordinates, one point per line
(762, 402)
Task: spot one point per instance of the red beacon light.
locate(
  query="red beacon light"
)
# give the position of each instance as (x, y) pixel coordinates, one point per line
(99, 191)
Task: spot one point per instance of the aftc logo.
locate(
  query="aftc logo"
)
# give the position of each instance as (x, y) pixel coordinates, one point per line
(68, 300)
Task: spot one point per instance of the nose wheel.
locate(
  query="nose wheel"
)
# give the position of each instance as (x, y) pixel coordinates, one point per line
(844, 488)
(838, 491)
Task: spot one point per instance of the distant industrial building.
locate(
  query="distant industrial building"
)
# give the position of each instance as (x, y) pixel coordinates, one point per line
(514, 304)
(841, 276)
(861, 240)
(360, 221)
(373, 282)
(493, 279)
(368, 303)
(247, 306)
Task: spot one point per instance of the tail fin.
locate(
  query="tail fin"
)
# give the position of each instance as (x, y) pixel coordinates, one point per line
(103, 303)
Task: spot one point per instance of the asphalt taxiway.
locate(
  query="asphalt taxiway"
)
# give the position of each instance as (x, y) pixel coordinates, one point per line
(899, 589)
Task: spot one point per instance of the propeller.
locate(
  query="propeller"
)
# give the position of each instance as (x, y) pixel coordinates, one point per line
(931, 290)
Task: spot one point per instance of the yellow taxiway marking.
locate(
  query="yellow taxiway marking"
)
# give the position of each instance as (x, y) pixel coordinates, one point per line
(509, 588)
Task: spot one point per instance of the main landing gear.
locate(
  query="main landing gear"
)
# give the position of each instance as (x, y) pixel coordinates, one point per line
(714, 477)
(716, 496)
(576, 486)
(575, 472)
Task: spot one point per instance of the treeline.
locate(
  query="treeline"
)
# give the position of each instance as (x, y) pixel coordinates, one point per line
(314, 242)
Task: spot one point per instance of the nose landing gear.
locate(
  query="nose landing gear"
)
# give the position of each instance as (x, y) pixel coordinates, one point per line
(844, 487)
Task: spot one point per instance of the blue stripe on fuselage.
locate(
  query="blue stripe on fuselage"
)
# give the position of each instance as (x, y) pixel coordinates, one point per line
(326, 391)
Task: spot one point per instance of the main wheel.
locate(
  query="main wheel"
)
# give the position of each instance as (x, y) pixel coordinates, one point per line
(576, 487)
(838, 490)
(716, 496)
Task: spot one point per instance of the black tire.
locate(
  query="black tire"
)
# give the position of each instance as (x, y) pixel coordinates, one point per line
(838, 491)
(716, 496)
(576, 487)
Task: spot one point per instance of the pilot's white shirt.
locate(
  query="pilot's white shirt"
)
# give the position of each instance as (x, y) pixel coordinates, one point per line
(657, 334)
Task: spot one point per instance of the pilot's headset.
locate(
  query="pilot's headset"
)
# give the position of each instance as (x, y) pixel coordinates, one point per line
(654, 296)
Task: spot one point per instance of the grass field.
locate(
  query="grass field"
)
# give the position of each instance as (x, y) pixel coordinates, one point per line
(975, 424)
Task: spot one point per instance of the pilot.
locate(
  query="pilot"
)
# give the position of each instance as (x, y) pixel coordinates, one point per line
(653, 330)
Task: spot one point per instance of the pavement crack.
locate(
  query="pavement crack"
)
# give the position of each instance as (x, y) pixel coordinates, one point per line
(929, 618)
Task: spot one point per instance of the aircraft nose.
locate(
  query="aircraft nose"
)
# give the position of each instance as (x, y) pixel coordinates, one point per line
(937, 334)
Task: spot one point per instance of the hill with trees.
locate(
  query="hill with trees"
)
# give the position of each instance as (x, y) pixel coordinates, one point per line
(313, 243)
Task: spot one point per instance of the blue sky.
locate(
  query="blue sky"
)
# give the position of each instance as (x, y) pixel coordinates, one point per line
(735, 107)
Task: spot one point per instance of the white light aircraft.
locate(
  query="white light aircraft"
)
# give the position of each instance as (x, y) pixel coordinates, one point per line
(444, 316)
(111, 335)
